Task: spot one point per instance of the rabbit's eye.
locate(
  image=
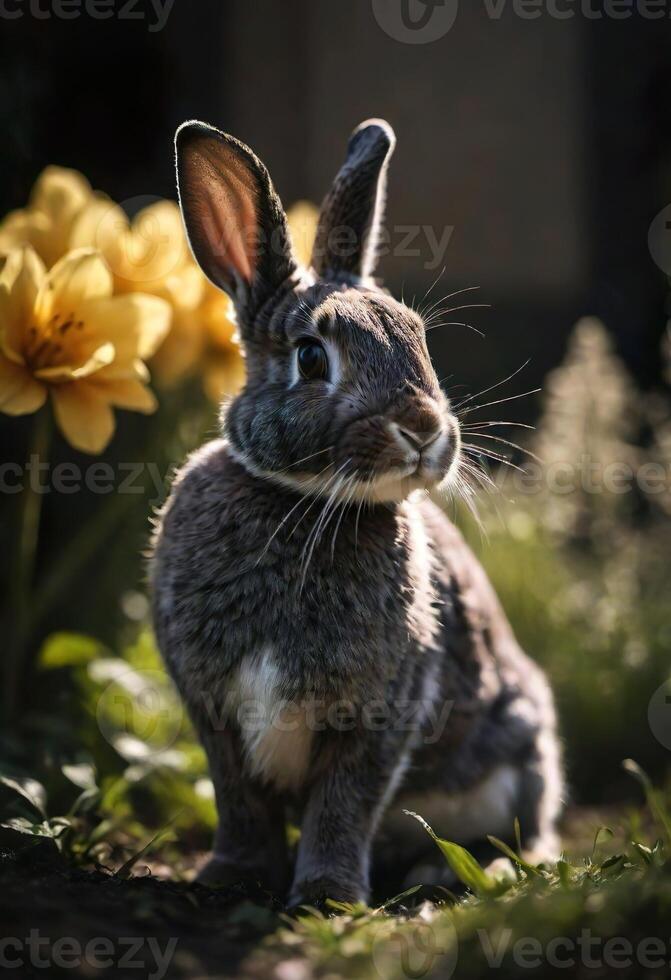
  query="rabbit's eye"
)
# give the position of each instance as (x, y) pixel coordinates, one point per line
(312, 360)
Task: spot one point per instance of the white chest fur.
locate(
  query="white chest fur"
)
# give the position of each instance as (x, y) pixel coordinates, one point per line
(276, 737)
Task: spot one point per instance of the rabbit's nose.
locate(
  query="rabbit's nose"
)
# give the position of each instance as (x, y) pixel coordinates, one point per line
(420, 439)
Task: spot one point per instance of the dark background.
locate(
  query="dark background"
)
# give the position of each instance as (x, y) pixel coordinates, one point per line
(544, 142)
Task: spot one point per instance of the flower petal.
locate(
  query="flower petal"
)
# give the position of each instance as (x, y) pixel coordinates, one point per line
(21, 228)
(58, 195)
(100, 224)
(140, 255)
(79, 276)
(20, 393)
(181, 350)
(302, 218)
(131, 395)
(223, 376)
(100, 358)
(84, 415)
(60, 192)
(20, 281)
(135, 323)
(156, 246)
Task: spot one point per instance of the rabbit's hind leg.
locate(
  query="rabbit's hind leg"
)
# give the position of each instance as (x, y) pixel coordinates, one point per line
(530, 792)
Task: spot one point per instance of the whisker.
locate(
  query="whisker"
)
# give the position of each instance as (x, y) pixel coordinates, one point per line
(304, 460)
(351, 481)
(433, 284)
(480, 473)
(455, 323)
(463, 306)
(364, 500)
(487, 425)
(443, 299)
(465, 493)
(500, 401)
(286, 518)
(507, 442)
(314, 500)
(498, 384)
(490, 454)
(320, 524)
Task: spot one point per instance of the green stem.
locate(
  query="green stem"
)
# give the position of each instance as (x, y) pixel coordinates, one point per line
(100, 527)
(30, 512)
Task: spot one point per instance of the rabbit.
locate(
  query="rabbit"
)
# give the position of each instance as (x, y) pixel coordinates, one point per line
(340, 650)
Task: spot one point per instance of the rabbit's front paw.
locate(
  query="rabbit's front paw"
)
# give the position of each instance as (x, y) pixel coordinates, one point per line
(317, 892)
(219, 872)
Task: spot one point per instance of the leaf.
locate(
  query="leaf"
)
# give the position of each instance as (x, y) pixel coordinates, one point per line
(24, 826)
(126, 868)
(657, 808)
(462, 863)
(29, 789)
(85, 801)
(346, 907)
(612, 864)
(565, 872)
(508, 851)
(608, 835)
(68, 650)
(398, 898)
(82, 774)
(644, 851)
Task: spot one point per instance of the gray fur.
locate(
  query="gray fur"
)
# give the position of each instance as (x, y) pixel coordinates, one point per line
(298, 559)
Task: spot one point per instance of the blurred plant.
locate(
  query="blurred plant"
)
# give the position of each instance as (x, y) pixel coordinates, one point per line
(77, 834)
(582, 569)
(591, 421)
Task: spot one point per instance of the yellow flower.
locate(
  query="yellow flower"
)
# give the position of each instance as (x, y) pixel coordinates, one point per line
(143, 253)
(302, 218)
(63, 333)
(223, 363)
(46, 224)
(151, 253)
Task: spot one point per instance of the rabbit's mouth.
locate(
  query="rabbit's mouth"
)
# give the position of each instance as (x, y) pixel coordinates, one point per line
(382, 461)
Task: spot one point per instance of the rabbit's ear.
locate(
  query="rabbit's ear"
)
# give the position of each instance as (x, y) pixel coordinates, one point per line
(352, 212)
(234, 219)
